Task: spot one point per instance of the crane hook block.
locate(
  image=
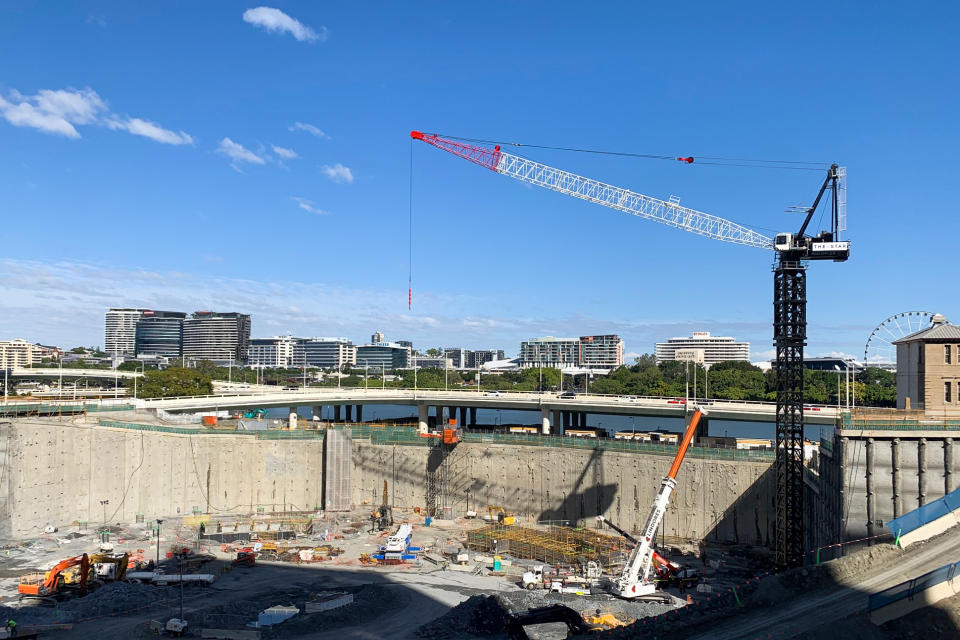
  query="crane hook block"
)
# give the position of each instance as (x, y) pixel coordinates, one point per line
(688, 160)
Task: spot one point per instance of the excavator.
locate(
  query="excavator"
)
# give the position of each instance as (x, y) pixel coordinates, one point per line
(51, 585)
(382, 518)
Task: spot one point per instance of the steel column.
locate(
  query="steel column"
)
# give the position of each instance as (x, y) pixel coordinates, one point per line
(789, 338)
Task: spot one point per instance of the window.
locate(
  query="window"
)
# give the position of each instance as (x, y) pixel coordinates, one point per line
(946, 354)
(946, 392)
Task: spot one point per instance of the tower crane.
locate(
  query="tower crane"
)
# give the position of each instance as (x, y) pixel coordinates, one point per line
(793, 250)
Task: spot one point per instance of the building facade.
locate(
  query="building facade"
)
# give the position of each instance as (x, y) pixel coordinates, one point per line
(471, 359)
(388, 355)
(120, 331)
(278, 351)
(221, 337)
(18, 353)
(329, 353)
(377, 337)
(928, 369)
(550, 352)
(160, 333)
(604, 352)
(715, 348)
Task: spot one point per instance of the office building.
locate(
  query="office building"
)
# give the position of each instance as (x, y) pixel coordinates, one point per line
(18, 353)
(928, 369)
(377, 337)
(550, 352)
(715, 348)
(160, 333)
(120, 331)
(278, 351)
(601, 352)
(329, 353)
(221, 337)
(389, 355)
(431, 362)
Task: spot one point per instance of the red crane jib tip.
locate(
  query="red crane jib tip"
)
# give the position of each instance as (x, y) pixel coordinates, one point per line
(688, 160)
(416, 135)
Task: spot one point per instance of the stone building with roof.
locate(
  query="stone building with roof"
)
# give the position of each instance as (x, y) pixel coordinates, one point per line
(928, 369)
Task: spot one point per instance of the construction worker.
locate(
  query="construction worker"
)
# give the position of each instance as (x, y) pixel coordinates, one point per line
(203, 529)
(219, 527)
(11, 628)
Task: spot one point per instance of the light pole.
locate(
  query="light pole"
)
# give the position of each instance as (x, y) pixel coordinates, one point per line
(159, 522)
(837, 367)
(365, 367)
(446, 372)
(414, 373)
(60, 383)
(478, 378)
(383, 376)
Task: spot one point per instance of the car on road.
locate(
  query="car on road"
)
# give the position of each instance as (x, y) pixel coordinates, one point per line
(493, 394)
(568, 394)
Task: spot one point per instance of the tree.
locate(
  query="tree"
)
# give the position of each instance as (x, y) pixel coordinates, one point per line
(175, 381)
(434, 353)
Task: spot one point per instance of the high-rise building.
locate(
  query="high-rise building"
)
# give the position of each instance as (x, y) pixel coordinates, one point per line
(377, 337)
(160, 333)
(221, 337)
(329, 353)
(384, 354)
(601, 351)
(550, 352)
(120, 331)
(715, 349)
(457, 357)
(18, 353)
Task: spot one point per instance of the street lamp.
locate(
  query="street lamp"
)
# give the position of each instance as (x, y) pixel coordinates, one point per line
(383, 376)
(837, 367)
(60, 383)
(365, 367)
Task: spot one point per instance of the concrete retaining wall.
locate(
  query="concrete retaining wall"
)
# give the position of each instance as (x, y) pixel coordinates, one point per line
(722, 500)
(57, 473)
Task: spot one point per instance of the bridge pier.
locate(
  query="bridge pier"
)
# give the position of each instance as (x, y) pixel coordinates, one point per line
(565, 417)
(359, 413)
(317, 412)
(557, 426)
(293, 418)
(423, 412)
(545, 421)
(348, 409)
(336, 413)
(473, 416)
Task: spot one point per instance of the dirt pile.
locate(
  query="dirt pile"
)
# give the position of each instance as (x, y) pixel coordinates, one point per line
(118, 597)
(476, 617)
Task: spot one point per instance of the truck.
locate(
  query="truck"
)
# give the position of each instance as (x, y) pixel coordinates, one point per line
(398, 545)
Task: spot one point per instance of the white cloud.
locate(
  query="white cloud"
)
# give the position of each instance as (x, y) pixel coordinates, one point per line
(286, 154)
(338, 173)
(147, 129)
(309, 128)
(238, 153)
(307, 205)
(53, 111)
(276, 21)
(60, 111)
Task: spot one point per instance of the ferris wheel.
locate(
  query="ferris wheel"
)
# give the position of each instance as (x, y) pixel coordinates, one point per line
(880, 348)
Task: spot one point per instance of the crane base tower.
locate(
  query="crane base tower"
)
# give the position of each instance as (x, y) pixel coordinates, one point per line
(789, 336)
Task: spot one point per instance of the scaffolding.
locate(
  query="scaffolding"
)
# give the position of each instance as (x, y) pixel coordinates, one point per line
(554, 545)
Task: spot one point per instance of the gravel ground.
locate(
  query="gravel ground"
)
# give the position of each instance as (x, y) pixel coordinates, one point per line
(118, 597)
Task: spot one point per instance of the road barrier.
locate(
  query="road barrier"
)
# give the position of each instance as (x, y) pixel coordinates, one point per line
(911, 595)
(926, 521)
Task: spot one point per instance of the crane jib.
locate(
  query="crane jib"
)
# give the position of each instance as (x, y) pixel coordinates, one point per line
(665, 212)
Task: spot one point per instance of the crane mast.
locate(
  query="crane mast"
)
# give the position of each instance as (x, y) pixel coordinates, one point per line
(793, 250)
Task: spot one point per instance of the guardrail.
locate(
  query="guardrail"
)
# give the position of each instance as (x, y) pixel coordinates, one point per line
(896, 423)
(42, 409)
(910, 588)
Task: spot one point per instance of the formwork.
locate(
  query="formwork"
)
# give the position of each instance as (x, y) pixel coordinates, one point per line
(554, 545)
(337, 451)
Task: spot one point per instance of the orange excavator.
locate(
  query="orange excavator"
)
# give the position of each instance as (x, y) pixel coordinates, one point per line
(50, 584)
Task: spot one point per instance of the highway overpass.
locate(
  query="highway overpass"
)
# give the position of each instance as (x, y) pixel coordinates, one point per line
(546, 403)
(56, 372)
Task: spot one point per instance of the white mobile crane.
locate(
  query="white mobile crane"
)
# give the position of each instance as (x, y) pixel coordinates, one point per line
(635, 580)
(793, 250)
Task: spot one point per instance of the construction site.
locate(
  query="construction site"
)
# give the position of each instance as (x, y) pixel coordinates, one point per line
(363, 530)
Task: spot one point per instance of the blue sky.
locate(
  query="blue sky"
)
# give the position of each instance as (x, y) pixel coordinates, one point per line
(152, 157)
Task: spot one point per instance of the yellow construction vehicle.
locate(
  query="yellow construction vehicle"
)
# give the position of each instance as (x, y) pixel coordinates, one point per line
(606, 620)
(496, 513)
(110, 567)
